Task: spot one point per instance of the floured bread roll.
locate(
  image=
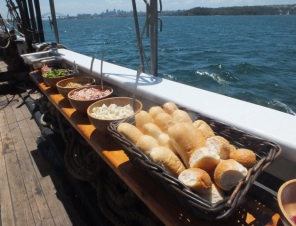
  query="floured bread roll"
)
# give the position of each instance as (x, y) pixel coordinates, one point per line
(204, 128)
(169, 107)
(244, 156)
(155, 110)
(214, 195)
(165, 157)
(146, 143)
(142, 118)
(181, 116)
(205, 159)
(164, 121)
(131, 132)
(196, 179)
(186, 138)
(152, 129)
(220, 145)
(229, 173)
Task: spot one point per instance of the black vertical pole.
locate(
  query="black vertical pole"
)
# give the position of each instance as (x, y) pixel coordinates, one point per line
(39, 21)
(33, 21)
(154, 36)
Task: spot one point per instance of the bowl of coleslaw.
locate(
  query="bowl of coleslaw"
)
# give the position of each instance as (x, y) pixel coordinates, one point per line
(81, 98)
(101, 113)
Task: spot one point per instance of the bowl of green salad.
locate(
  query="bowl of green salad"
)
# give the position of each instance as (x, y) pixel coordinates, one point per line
(53, 76)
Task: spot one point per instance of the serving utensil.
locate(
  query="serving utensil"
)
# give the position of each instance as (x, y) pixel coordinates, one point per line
(91, 64)
(139, 71)
(102, 60)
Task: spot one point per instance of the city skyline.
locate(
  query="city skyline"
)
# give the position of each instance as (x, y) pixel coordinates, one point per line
(74, 7)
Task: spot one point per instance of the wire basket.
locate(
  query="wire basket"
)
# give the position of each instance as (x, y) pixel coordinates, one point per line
(266, 152)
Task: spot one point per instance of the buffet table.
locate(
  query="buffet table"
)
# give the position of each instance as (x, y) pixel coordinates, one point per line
(152, 194)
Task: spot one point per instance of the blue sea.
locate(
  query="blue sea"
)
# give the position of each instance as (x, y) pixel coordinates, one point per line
(252, 58)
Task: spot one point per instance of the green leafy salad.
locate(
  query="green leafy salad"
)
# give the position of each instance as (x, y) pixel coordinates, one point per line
(55, 73)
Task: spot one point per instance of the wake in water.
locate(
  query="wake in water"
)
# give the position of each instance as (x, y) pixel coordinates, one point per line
(215, 77)
(277, 103)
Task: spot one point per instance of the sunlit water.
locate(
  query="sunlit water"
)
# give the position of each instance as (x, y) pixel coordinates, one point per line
(252, 58)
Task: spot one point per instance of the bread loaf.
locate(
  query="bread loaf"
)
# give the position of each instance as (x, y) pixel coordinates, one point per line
(229, 173)
(164, 121)
(169, 107)
(204, 128)
(164, 140)
(220, 145)
(142, 118)
(196, 179)
(205, 159)
(152, 130)
(155, 110)
(214, 195)
(181, 116)
(244, 156)
(165, 157)
(146, 143)
(186, 138)
(131, 132)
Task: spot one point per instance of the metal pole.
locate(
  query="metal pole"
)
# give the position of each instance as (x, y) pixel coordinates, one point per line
(54, 21)
(39, 21)
(138, 34)
(33, 21)
(154, 36)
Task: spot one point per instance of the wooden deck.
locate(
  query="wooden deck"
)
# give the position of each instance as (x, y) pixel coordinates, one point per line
(28, 195)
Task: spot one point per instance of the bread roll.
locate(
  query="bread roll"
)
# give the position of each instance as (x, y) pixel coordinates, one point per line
(220, 145)
(152, 130)
(186, 138)
(204, 128)
(142, 118)
(196, 179)
(155, 110)
(244, 156)
(164, 140)
(169, 107)
(164, 121)
(205, 159)
(214, 195)
(146, 143)
(181, 116)
(229, 173)
(131, 132)
(165, 157)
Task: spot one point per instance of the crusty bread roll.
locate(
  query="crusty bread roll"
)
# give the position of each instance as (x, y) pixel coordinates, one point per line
(146, 143)
(205, 159)
(164, 140)
(186, 138)
(181, 116)
(152, 130)
(229, 173)
(220, 145)
(204, 128)
(164, 121)
(155, 110)
(130, 131)
(142, 118)
(196, 179)
(169, 107)
(165, 157)
(244, 156)
(232, 149)
(214, 195)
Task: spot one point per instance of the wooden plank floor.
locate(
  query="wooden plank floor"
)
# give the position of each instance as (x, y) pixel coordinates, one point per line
(27, 196)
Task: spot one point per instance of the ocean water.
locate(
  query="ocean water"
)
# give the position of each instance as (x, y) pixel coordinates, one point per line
(252, 58)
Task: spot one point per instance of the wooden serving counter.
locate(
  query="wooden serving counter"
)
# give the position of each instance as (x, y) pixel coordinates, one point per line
(167, 209)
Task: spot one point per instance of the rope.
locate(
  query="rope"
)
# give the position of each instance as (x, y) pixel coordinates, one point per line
(8, 43)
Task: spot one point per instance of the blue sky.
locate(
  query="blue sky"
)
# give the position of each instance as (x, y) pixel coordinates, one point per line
(73, 7)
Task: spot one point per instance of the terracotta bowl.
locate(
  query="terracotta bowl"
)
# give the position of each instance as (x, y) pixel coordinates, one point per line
(82, 105)
(102, 124)
(53, 81)
(63, 90)
(287, 201)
